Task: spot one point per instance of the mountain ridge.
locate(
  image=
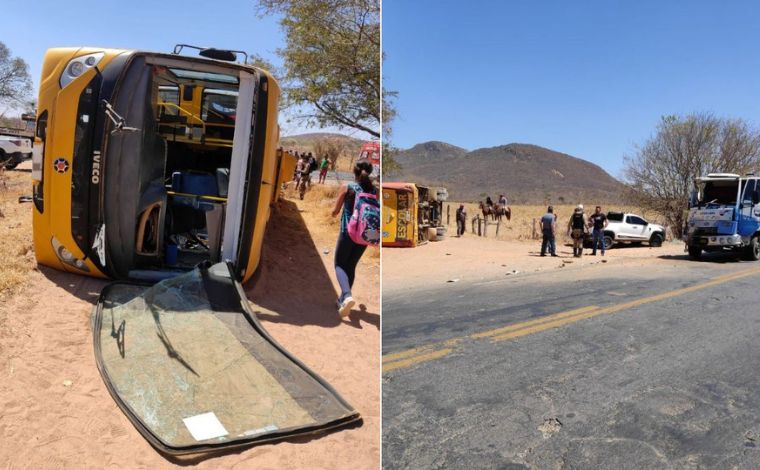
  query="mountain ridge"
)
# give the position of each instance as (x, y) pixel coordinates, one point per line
(526, 173)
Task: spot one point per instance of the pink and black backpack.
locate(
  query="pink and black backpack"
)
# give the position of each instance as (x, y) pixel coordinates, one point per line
(364, 225)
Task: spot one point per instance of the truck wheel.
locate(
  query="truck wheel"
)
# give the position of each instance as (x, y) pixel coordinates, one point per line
(11, 165)
(608, 242)
(695, 252)
(753, 250)
(656, 240)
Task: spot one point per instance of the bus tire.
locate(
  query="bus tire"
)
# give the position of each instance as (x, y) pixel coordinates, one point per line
(695, 252)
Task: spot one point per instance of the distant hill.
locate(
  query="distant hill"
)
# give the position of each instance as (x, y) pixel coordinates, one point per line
(345, 147)
(525, 173)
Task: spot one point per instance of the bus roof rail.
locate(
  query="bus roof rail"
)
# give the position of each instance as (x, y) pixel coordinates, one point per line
(226, 55)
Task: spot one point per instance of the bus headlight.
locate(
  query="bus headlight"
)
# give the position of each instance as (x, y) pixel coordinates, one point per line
(79, 65)
(66, 257)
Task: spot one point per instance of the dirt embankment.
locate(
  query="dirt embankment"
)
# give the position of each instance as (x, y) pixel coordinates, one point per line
(57, 413)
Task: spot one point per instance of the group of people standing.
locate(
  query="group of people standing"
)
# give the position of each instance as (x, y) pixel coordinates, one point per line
(577, 228)
(307, 164)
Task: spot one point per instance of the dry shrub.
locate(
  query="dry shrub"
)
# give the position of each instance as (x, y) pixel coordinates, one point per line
(16, 249)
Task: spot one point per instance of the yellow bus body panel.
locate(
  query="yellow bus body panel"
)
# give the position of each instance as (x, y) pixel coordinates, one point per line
(400, 214)
(61, 106)
(268, 179)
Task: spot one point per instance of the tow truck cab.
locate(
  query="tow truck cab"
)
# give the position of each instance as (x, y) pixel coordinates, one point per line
(724, 215)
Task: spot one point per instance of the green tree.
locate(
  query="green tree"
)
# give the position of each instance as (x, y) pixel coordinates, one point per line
(15, 81)
(662, 171)
(331, 60)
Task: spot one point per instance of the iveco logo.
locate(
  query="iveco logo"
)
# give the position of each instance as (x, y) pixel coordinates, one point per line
(95, 178)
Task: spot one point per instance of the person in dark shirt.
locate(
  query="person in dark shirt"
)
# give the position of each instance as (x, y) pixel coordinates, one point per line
(549, 230)
(598, 222)
(461, 217)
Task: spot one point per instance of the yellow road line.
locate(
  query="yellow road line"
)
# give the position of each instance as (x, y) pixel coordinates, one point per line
(537, 321)
(432, 351)
(416, 360)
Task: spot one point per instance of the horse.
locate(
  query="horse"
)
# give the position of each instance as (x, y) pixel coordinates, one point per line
(486, 209)
(497, 211)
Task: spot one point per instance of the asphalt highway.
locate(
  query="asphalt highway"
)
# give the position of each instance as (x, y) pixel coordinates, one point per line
(610, 366)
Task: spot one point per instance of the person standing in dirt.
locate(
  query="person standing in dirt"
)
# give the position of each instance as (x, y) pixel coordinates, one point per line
(598, 222)
(323, 166)
(461, 218)
(549, 231)
(348, 253)
(300, 166)
(312, 161)
(576, 229)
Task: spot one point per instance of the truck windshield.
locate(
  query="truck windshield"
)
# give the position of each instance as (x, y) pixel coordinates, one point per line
(719, 192)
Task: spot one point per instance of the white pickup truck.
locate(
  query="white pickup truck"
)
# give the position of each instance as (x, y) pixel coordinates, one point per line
(629, 228)
(14, 150)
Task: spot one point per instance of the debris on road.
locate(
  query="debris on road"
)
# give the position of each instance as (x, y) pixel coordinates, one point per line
(453, 280)
(550, 427)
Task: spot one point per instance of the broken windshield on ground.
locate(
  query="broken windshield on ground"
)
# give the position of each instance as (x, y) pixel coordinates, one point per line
(185, 360)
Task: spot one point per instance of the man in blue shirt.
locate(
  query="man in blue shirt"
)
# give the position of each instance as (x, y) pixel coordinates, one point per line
(549, 229)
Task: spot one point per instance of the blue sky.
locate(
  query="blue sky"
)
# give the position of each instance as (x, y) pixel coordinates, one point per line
(587, 78)
(31, 27)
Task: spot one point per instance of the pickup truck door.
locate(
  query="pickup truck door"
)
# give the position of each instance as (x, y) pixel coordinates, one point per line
(637, 228)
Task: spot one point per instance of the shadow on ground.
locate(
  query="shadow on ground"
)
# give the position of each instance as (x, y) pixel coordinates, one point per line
(82, 287)
(292, 280)
(721, 258)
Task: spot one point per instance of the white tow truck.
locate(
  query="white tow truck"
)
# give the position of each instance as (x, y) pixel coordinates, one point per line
(724, 215)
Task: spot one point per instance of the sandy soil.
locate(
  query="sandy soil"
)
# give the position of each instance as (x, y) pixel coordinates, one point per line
(57, 413)
(472, 259)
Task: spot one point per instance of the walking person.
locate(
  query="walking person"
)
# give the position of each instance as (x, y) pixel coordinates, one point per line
(549, 231)
(598, 222)
(461, 218)
(576, 229)
(347, 252)
(323, 166)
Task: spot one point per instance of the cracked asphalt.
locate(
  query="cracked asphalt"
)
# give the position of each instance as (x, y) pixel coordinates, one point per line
(673, 382)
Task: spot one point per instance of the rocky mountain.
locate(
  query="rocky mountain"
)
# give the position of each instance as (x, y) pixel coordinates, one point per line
(525, 173)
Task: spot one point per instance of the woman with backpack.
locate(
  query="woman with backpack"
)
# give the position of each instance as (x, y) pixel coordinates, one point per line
(359, 226)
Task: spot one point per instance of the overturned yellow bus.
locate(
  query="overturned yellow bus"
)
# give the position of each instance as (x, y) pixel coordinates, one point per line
(152, 162)
(412, 214)
(161, 168)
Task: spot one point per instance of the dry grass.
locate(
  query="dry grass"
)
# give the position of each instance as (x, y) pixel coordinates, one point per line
(316, 209)
(521, 225)
(16, 249)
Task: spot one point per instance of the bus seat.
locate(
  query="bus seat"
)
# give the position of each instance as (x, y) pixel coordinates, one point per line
(194, 182)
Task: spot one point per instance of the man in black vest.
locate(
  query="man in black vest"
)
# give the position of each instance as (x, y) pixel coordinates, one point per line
(576, 228)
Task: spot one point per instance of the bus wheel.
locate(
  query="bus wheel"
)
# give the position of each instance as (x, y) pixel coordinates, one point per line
(695, 252)
(753, 250)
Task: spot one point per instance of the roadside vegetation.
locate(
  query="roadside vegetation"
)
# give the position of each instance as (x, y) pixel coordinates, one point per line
(662, 170)
(16, 251)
